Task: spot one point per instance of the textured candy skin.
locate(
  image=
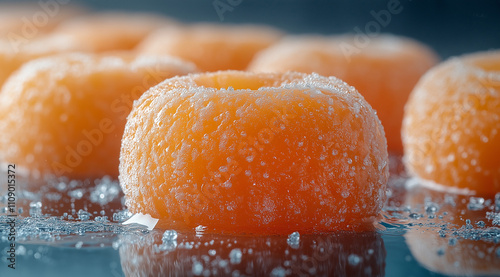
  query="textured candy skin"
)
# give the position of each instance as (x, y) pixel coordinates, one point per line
(384, 70)
(451, 124)
(255, 153)
(64, 115)
(211, 47)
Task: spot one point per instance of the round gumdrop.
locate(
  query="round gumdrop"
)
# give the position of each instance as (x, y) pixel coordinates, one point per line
(240, 152)
(384, 69)
(212, 47)
(452, 122)
(20, 23)
(64, 115)
(110, 31)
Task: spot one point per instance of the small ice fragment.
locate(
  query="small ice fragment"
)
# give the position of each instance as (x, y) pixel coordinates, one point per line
(122, 215)
(83, 215)
(475, 204)
(497, 202)
(35, 209)
(200, 229)
(212, 252)
(143, 219)
(354, 259)
(169, 236)
(197, 268)
(294, 240)
(235, 256)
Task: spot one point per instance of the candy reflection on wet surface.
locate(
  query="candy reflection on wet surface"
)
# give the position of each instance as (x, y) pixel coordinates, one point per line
(421, 232)
(191, 254)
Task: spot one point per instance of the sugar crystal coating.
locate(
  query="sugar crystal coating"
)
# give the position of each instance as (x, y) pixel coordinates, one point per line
(252, 153)
(384, 69)
(64, 115)
(452, 122)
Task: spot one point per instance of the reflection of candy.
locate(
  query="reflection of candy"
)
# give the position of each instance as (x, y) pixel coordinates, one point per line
(211, 47)
(255, 153)
(342, 254)
(452, 122)
(457, 238)
(384, 71)
(65, 114)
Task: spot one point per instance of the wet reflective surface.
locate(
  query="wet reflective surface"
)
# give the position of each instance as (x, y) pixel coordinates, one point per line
(75, 227)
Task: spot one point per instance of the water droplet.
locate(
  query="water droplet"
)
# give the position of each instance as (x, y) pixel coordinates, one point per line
(475, 204)
(79, 245)
(354, 259)
(235, 256)
(197, 268)
(452, 241)
(278, 272)
(169, 236)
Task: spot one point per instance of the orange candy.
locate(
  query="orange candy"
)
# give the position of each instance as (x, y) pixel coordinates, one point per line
(12, 56)
(384, 70)
(20, 23)
(91, 33)
(212, 47)
(452, 122)
(255, 153)
(65, 114)
(110, 31)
